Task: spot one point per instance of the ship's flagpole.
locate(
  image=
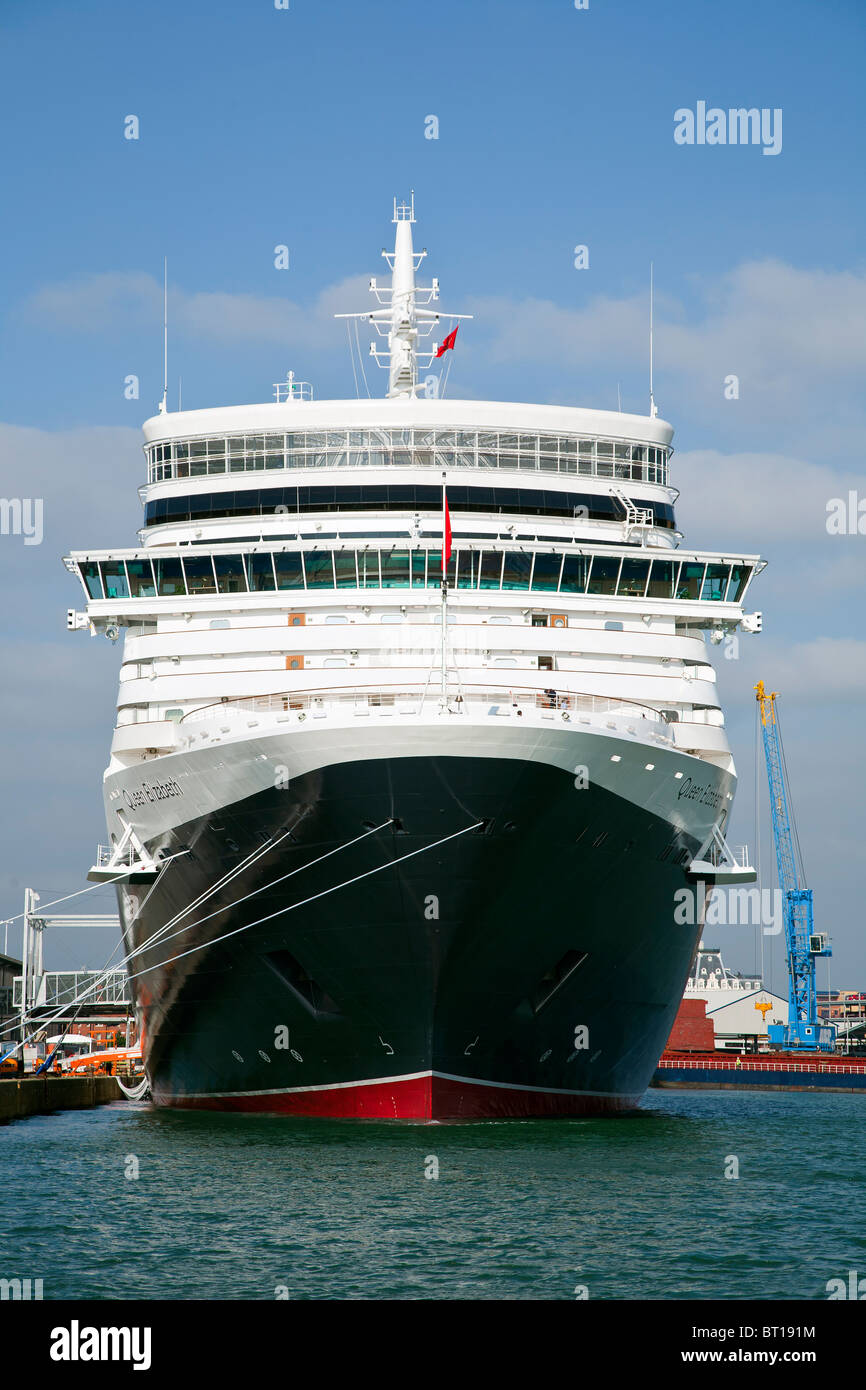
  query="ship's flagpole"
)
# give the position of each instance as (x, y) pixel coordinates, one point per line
(445, 553)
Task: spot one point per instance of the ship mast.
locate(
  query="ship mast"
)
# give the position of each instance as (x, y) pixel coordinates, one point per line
(405, 317)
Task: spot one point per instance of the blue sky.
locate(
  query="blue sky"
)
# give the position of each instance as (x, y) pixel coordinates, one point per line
(260, 127)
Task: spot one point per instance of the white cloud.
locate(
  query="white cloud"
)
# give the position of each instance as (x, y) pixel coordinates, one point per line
(102, 302)
(754, 499)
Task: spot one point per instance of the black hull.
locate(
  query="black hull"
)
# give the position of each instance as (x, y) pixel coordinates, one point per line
(453, 983)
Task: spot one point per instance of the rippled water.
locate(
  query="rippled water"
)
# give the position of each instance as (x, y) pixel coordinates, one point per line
(638, 1207)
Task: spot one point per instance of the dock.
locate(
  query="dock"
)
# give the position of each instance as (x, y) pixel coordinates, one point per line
(43, 1095)
(760, 1072)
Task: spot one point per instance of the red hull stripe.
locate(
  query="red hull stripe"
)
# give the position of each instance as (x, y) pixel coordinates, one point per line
(420, 1097)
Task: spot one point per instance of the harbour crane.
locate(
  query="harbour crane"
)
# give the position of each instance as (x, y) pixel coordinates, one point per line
(803, 1030)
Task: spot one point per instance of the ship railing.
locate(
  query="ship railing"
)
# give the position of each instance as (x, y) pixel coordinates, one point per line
(517, 701)
(107, 854)
(751, 1063)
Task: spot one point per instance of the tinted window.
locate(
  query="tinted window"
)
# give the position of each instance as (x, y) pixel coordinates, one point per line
(739, 579)
(169, 578)
(199, 574)
(661, 583)
(230, 574)
(690, 580)
(715, 582)
(633, 577)
(575, 572)
(114, 579)
(517, 570)
(491, 569)
(395, 569)
(141, 583)
(320, 569)
(545, 573)
(602, 579)
(90, 574)
(345, 571)
(290, 573)
(260, 573)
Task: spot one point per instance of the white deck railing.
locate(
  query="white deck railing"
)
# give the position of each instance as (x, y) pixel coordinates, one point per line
(390, 700)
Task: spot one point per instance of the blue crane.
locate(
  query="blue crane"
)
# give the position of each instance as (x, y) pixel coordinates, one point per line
(803, 1029)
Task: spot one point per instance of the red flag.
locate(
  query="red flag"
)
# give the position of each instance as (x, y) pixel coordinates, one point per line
(447, 342)
(446, 532)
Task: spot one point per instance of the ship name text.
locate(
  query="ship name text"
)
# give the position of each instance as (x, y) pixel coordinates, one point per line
(704, 795)
(150, 792)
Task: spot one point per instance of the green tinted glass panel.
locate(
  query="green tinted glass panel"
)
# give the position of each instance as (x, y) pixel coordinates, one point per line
(290, 573)
(419, 568)
(662, 576)
(230, 574)
(690, 580)
(715, 582)
(395, 569)
(633, 577)
(575, 573)
(517, 569)
(199, 574)
(169, 578)
(114, 579)
(319, 566)
(368, 568)
(545, 572)
(345, 572)
(90, 574)
(602, 579)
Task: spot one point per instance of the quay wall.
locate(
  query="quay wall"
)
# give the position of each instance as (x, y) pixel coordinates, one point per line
(41, 1095)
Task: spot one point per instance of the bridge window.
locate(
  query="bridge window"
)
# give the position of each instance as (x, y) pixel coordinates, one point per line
(466, 569)
(739, 579)
(141, 583)
(546, 572)
(289, 570)
(516, 570)
(633, 578)
(230, 574)
(90, 574)
(368, 569)
(260, 573)
(345, 569)
(603, 577)
(575, 574)
(169, 576)
(419, 568)
(395, 569)
(319, 566)
(715, 582)
(114, 579)
(199, 574)
(491, 569)
(690, 580)
(661, 584)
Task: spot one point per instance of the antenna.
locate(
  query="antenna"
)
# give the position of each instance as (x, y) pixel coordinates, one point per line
(163, 405)
(653, 410)
(618, 398)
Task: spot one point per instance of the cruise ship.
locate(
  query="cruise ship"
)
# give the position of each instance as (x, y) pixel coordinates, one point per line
(417, 740)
